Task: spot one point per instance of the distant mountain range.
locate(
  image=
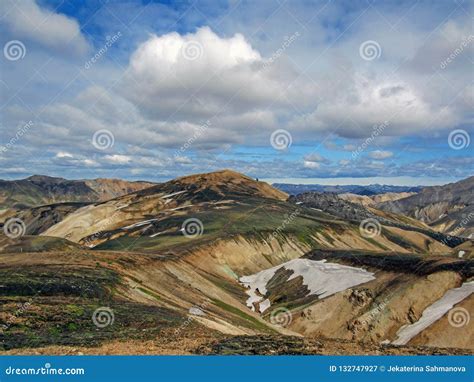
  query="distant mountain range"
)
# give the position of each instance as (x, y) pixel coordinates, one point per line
(41, 190)
(448, 208)
(372, 189)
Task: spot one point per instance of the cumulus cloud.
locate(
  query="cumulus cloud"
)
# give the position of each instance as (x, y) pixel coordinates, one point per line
(202, 74)
(198, 100)
(27, 20)
(357, 107)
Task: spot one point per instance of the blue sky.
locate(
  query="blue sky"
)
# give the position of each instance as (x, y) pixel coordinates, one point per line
(283, 90)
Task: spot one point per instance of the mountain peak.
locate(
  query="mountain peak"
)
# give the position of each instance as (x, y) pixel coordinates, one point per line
(219, 175)
(228, 181)
(44, 178)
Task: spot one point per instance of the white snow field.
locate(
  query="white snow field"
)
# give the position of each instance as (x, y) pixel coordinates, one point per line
(434, 312)
(322, 279)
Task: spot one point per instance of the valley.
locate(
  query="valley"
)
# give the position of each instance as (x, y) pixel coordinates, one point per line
(220, 263)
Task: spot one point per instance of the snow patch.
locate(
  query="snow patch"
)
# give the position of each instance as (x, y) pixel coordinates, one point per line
(264, 305)
(158, 233)
(321, 278)
(434, 312)
(196, 311)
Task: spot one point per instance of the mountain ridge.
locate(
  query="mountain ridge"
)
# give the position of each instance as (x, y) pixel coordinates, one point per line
(448, 208)
(39, 190)
(369, 190)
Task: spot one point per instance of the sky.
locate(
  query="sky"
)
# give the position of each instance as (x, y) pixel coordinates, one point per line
(290, 91)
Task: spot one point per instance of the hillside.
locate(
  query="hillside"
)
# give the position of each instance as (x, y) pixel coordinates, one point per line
(40, 190)
(373, 200)
(220, 204)
(354, 212)
(221, 263)
(448, 208)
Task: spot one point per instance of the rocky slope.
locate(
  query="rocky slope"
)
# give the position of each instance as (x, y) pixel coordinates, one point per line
(179, 287)
(39, 190)
(216, 205)
(448, 208)
(334, 205)
(373, 200)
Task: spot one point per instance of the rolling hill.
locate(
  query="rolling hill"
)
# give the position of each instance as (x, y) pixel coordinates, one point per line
(219, 263)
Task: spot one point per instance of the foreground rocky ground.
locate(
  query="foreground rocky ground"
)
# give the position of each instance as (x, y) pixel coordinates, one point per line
(201, 343)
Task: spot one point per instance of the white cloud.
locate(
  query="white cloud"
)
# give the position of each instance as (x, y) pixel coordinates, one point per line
(315, 157)
(118, 159)
(182, 159)
(314, 161)
(63, 154)
(26, 20)
(380, 154)
(89, 162)
(356, 108)
(310, 164)
(222, 76)
(314, 90)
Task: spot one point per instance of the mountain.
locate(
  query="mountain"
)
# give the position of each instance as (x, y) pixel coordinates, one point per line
(220, 263)
(223, 203)
(373, 200)
(372, 189)
(355, 212)
(448, 208)
(39, 190)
